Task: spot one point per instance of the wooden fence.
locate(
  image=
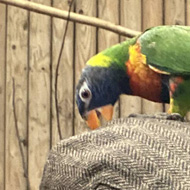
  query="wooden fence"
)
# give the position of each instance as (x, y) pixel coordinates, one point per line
(29, 48)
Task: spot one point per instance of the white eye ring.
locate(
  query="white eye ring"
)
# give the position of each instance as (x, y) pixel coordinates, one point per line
(85, 93)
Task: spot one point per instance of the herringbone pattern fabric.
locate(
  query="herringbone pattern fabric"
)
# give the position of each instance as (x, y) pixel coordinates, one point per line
(129, 154)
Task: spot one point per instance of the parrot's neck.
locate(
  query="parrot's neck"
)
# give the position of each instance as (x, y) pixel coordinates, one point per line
(114, 61)
(115, 56)
(119, 53)
(130, 73)
(135, 76)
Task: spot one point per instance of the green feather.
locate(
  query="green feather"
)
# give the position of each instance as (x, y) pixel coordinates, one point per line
(181, 98)
(167, 48)
(116, 55)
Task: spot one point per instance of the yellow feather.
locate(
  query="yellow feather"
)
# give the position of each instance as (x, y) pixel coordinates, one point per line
(99, 60)
(136, 57)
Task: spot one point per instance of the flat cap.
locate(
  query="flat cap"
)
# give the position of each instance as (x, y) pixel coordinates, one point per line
(135, 153)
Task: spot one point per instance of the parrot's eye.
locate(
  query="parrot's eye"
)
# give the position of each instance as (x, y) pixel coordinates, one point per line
(85, 93)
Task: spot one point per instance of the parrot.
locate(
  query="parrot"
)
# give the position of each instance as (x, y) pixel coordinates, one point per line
(154, 65)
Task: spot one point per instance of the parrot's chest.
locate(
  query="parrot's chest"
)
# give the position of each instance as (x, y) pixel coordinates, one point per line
(143, 81)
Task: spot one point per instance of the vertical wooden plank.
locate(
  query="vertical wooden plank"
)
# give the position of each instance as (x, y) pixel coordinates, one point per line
(152, 13)
(174, 12)
(85, 47)
(188, 12)
(130, 18)
(39, 94)
(108, 10)
(152, 16)
(65, 80)
(2, 92)
(17, 33)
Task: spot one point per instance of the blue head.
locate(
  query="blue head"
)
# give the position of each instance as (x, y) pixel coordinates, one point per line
(99, 87)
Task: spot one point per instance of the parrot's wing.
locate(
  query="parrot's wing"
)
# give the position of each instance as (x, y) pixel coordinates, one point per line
(167, 49)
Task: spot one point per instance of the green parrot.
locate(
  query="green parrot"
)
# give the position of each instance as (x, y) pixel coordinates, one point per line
(154, 65)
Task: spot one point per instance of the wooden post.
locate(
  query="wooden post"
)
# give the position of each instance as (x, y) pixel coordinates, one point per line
(2, 92)
(39, 95)
(130, 17)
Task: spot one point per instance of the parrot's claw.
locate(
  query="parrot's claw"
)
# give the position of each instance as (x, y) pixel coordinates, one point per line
(169, 116)
(174, 116)
(162, 115)
(137, 115)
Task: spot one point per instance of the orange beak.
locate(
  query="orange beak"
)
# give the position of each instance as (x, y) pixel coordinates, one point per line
(93, 120)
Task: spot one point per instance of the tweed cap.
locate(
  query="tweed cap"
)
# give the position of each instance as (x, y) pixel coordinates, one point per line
(135, 153)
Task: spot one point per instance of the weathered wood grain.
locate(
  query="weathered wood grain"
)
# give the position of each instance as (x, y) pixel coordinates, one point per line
(39, 95)
(131, 18)
(80, 45)
(152, 13)
(16, 66)
(108, 10)
(174, 12)
(85, 47)
(2, 92)
(152, 16)
(65, 79)
(188, 12)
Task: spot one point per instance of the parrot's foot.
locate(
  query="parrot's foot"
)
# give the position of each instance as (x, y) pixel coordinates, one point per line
(174, 116)
(169, 116)
(140, 115)
(162, 115)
